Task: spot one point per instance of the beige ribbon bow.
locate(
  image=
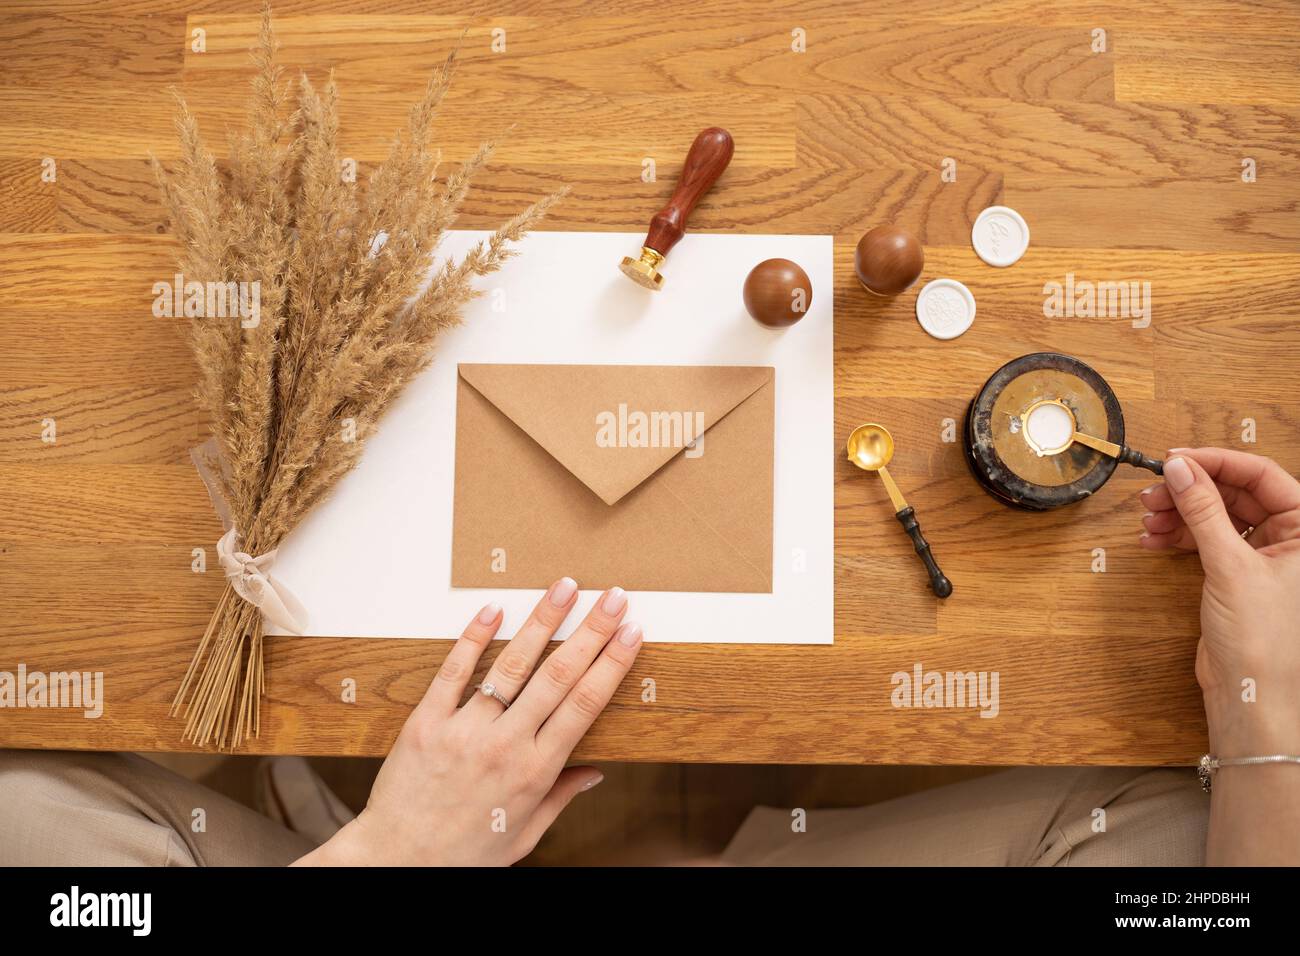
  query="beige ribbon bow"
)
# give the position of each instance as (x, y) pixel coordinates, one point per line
(248, 576)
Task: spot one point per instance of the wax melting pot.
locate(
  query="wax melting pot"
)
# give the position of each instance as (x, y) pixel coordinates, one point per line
(1045, 431)
(709, 156)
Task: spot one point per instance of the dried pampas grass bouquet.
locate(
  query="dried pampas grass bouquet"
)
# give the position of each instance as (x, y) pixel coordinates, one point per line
(346, 306)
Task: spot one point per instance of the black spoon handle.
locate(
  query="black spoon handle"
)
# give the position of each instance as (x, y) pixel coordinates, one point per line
(1131, 456)
(939, 583)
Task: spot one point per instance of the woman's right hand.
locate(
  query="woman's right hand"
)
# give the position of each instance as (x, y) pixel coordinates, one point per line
(1250, 605)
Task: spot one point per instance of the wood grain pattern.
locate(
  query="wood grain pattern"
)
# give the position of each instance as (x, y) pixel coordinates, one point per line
(1127, 164)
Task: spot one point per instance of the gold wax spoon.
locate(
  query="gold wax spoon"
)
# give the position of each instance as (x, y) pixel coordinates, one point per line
(870, 447)
(1129, 456)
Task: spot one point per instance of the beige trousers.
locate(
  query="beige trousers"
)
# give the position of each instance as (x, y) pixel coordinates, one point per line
(107, 809)
(97, 809)
(1033, 816)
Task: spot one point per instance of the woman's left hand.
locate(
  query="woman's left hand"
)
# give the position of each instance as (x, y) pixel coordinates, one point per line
(479, 784)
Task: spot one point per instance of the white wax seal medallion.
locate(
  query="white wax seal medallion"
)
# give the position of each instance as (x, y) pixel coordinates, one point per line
(1000, 235)
(945, 308)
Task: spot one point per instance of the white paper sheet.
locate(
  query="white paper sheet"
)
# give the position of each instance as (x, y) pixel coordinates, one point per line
(374, 560)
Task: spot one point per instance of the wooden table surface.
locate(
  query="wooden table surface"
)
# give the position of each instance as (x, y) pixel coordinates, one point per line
(1127, 163)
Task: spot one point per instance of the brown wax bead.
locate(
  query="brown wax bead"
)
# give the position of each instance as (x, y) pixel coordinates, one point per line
(888, 260)
(778, 292)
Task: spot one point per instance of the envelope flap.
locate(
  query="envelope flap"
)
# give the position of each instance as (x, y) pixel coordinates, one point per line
(612, 426)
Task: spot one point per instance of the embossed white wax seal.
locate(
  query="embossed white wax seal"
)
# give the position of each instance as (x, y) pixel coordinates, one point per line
(945, 308)
(1000, 236)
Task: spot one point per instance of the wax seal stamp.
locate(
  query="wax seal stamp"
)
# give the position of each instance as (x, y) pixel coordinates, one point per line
(709, 156)
(777, 293)
(888, 260)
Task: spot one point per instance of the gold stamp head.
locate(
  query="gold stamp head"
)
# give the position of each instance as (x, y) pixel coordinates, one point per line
(645, 270)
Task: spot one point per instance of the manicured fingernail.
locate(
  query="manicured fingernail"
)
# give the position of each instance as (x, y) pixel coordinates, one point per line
(593, 781)
(562, 591)
(1143, 536)
(615, 601)
(1149, 514)
(1174, 451)
(1146, 491)
(488, 614)
(629, 634)
(1178, 476)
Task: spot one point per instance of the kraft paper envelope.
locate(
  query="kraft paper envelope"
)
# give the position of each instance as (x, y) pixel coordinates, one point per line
(581, 470)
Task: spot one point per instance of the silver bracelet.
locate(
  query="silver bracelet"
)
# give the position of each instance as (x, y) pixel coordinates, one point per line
(1210, 765)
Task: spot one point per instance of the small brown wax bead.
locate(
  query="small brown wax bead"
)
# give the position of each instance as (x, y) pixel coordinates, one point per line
(888, 260)
(777, 292)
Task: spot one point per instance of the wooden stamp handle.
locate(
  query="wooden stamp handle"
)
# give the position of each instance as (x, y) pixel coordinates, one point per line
(1131, 456)
(939, 583)
(708, 157)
